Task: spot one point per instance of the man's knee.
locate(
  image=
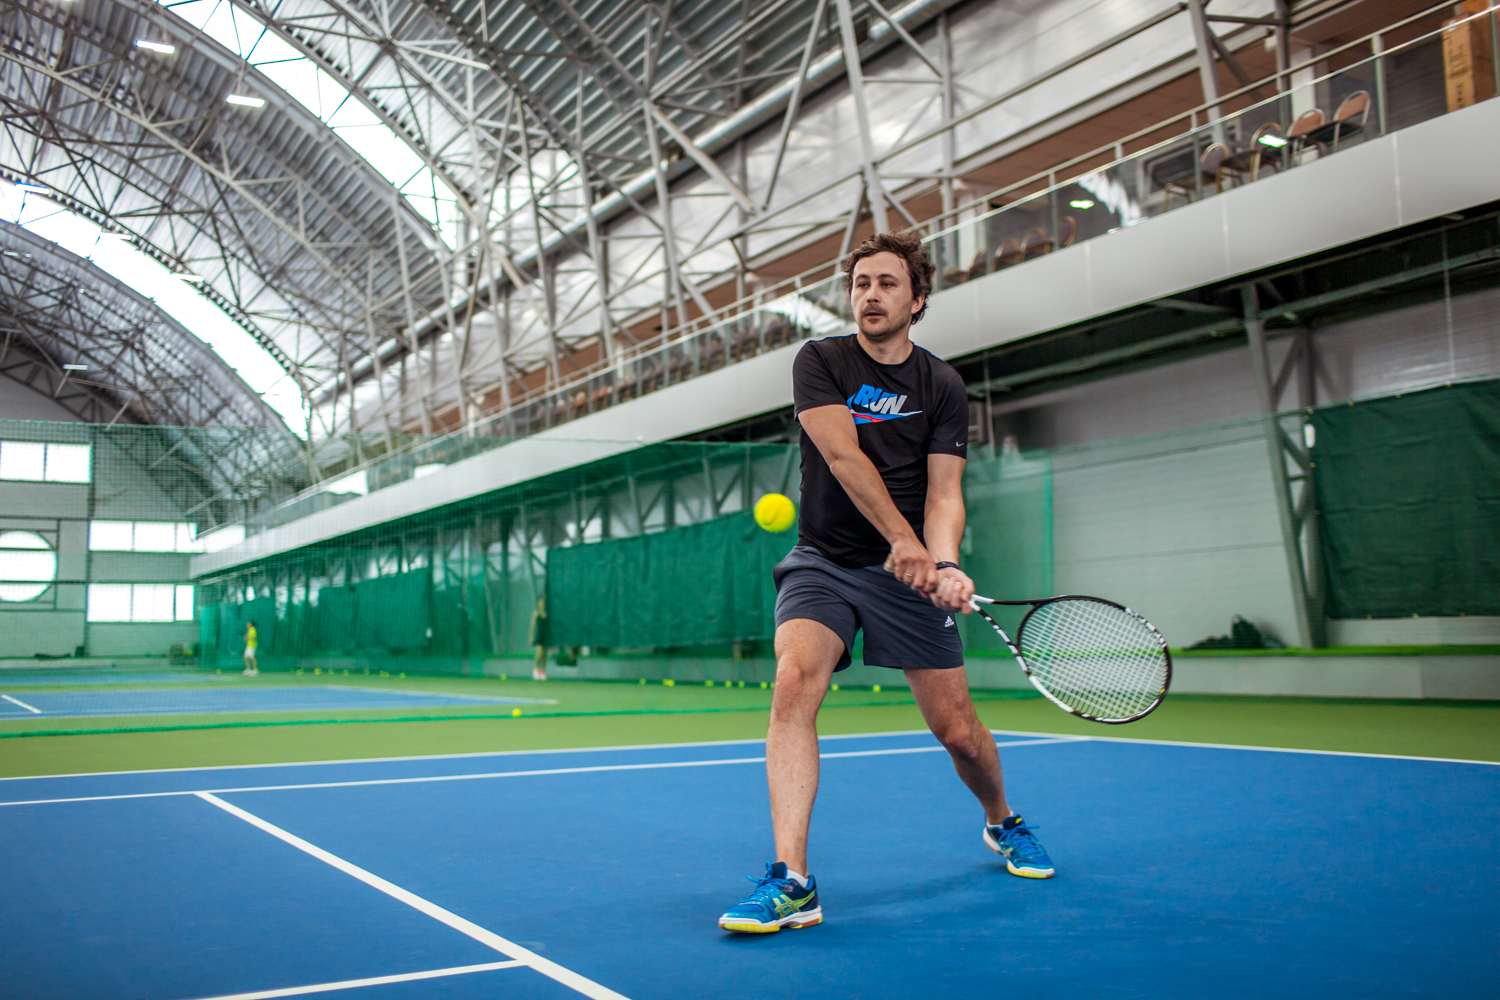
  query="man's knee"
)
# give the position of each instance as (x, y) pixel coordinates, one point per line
(798, 677)
(961, 738)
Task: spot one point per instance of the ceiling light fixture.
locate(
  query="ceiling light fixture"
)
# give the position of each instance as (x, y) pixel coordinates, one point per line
(245, 102)
(1081, 203)
(22, 185)
(161, 47)
(75, 368)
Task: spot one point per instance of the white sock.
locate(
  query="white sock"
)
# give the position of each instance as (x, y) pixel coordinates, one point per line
(797, 877)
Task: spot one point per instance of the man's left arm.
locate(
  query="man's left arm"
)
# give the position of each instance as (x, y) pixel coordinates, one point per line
(943, 529)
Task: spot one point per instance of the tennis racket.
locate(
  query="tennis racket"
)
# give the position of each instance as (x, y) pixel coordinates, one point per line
(1090, 657)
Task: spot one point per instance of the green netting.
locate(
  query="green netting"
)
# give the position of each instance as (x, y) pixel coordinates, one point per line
(1409, 499)
(1008, 542)
(707, 583)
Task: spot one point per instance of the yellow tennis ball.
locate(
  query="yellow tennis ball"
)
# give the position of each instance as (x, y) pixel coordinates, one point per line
(775, 512)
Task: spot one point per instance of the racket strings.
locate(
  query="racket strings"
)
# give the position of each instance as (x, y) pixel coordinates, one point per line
(1102, 661)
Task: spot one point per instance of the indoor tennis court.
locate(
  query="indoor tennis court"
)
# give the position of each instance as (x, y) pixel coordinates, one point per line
(1180, 878)
(536, 498)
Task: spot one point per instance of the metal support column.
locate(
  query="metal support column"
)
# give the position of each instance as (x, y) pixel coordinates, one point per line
(1207, 71)
(873, 190)
(1255, 332)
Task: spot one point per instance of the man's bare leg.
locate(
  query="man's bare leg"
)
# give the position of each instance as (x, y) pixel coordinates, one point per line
(943, 697)
(806, 653)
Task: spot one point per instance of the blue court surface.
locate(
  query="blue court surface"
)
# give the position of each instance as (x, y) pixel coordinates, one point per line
(200, 701)
(1183, 871)
(73, 679)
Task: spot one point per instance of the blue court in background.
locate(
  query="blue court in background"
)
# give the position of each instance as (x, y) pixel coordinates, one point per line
(1183, 871)
(207, 701)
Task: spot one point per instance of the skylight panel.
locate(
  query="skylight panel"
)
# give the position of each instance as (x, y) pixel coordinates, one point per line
(322, 94)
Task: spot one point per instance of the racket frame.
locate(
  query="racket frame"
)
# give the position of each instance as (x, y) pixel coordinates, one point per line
(977, 602)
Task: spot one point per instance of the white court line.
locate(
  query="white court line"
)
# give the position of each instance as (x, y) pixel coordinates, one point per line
(489, 938)
(426, 779)
(18, 701)
(354, 984)
(458, 756)
(1238, 746)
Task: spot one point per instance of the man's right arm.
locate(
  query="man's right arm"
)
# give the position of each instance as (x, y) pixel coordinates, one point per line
(831, 428)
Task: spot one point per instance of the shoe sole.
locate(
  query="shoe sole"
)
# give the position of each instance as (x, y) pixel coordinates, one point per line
(994, 845)
(795, 922)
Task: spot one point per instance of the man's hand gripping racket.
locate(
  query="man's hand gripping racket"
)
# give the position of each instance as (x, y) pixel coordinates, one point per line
(1093, 658)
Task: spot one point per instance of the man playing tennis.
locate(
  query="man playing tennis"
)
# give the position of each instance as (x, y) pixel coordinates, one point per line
(885, 429)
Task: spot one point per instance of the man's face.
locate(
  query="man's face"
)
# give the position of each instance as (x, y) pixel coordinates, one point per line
(880, 296)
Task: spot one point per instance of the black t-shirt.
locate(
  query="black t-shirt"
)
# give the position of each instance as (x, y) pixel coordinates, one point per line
(902, 413)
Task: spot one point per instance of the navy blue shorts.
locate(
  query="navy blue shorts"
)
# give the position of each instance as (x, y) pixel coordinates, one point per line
(902, 628)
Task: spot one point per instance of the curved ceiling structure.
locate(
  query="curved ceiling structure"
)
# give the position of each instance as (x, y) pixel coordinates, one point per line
(294, 235)
(105, 352)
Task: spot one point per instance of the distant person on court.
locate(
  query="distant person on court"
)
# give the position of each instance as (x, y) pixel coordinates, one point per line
(541, 638)
(885, 429)
(251, 641)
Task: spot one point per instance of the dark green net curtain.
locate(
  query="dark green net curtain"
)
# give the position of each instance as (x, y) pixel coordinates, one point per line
(1408, 493)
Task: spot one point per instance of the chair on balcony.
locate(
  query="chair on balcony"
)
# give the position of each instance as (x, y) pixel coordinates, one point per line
(1036, 243)
(1259, 149)
(1349, 119)
(746, 345)
(1210, 171)
(600, 397)
(1067, 231)
(1009, 254)
(954, 276)
(979, 266)
(1300, 134)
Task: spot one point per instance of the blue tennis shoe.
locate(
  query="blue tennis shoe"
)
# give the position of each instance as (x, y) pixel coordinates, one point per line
(1024, 854)
(777, 902)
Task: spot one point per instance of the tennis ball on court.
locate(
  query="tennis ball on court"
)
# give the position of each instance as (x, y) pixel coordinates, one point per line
(669, 682)
(515, 712)
(835, 687)
(876, 688)
(775, 512)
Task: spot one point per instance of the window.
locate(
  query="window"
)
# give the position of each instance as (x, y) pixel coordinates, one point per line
(222, 538)
(27, 565)
(45, 463)
(140, 602)
(143, 536)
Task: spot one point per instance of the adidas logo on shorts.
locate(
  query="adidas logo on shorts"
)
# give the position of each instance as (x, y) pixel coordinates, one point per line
(949, 622)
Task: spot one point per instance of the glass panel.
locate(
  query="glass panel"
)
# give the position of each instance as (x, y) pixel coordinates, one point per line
(185, 602)
(25, 556)
(111, 536)
(68, 463)
(153, 602)
(155, 536)
(109, 602)
(22, 460)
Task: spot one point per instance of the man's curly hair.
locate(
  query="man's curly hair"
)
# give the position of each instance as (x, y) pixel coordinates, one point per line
(907, 246)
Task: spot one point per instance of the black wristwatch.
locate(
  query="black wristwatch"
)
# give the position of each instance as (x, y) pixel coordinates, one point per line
(947, 565)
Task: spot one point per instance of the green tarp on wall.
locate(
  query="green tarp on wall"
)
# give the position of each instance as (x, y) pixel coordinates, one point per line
(711, 582)
(1409, 500)
(706, 583)
(389, 613)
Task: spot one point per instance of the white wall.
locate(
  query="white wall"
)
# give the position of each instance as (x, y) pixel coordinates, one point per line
(20, 403)
(1182, 527)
